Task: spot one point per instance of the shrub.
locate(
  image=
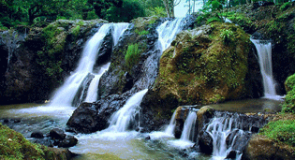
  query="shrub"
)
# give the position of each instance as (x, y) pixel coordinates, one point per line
(290, 83)
(285, 6)
(227, 36)
(213, 19)
(76, 31)
(281, 130)
(157, 11)
(132, 55)
(289, 104)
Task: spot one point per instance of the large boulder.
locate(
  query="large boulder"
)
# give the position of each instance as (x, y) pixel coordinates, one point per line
(261, 147)
(201, 68)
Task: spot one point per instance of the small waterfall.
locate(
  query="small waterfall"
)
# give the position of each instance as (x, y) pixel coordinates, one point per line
(231, 132)
(264, 52)
(188, 132)
(170, 128)
(66, 93)
(167, 32)
(93, 87)
(126, 116)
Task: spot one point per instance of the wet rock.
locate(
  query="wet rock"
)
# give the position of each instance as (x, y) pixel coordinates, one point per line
(147, 138)
(82, 91)
(261, 147)
(69, 141)
(203, 116)
(231, 155)
(205, 142)
(57, 133)
(37, 134)
(47, 141)
(58, 153)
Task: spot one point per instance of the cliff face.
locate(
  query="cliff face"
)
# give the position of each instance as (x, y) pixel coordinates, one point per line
(34, 61)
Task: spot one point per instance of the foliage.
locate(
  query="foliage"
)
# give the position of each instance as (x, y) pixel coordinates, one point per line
(76, 31)
(289, 104)
(132, 55)
(227, 36)
(285, 6)
(144, 32)
(281, 131)
(14, 146)
(129, 10)
(213, 19)
(157, 11)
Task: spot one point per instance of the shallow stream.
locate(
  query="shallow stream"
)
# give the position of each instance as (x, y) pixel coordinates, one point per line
(106, 144)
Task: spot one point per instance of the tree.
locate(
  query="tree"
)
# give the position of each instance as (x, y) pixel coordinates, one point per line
(169, 6)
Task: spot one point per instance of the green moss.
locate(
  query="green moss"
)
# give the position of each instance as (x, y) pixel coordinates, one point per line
(13, 146)
(281, 131)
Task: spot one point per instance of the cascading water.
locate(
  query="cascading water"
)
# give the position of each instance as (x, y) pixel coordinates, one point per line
(126, 116)
(188, 132)
(170, 128)
(265, 61)
(231, 132)
(122, 118)
(93, 87)
(66, 93)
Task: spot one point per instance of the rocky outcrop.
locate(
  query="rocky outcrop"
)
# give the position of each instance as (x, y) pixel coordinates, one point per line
(200, 69)
(36, 60)
(274, 23)
(261, 147)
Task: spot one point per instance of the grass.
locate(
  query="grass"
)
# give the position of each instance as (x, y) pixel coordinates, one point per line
(142, 33)
(213, 19)
(281, 131)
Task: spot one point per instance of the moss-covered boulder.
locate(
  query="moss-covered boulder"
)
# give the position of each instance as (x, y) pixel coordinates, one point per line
(13, 145)
(206, 65)
(262, 147)
(289, 103)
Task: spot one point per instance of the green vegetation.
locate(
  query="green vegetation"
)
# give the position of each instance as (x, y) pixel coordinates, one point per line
(289, 104)
(213, 19)
(144, 32)
(14, 146)
(132, 55)
(285, 6)
(280, 131)
(227, 36)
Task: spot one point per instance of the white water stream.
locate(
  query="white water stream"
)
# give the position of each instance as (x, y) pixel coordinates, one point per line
(188, 132)
(66, 93)
(264, 52)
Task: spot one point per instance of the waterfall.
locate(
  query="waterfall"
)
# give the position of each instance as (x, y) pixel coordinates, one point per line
(265, 61)
(93, 87)
(188, 132)
(66, 93)
(170, 128)
(167, 32)
(126, 116)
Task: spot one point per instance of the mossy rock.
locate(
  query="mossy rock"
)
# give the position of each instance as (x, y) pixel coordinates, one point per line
(14, 146)
(200, 69)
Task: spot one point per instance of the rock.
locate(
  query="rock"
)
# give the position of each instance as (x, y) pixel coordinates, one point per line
(205, 142)
(37, 134)
(57, 133)
(203, 116)
(261, 3)
(58, 153)
(261, 147)
(231, 155)
(69, 141)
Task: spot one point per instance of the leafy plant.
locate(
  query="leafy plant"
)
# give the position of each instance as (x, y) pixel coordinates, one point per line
(144, 32)
(285, 6)
(227, 36)
(213, 19)
(132, 55)
(76, 31)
